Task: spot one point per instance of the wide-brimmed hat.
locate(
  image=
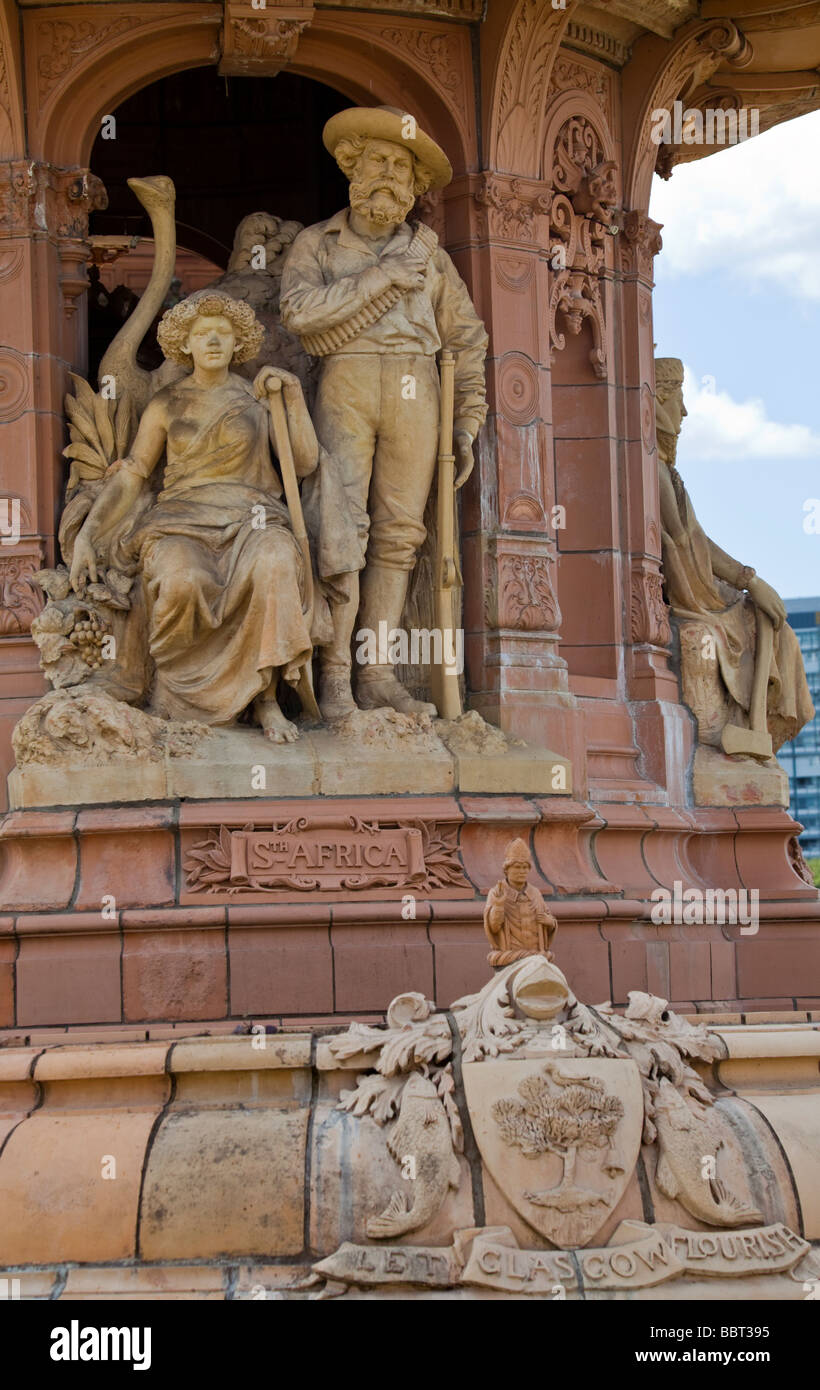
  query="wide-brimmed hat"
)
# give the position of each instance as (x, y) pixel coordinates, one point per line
(389, 123)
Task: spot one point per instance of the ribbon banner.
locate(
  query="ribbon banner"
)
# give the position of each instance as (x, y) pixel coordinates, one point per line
(637, 1257)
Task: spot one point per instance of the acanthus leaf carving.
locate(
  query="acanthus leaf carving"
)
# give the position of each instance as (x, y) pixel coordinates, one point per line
(642, 242)
(260, 40)
(526, 65)
(526, 600)
(649, 613)
(37, 198)
(61, 42)
(512, 206)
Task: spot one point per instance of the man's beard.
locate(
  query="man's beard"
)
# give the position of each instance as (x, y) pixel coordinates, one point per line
(667, 446)
(391, 208)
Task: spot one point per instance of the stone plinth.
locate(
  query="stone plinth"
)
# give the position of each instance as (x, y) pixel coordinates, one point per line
(298, 908)
(160, 1113)
(242, 763)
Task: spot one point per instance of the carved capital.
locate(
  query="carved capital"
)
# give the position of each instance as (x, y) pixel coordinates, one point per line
(260, 41)
(649, 614)
(38, 200)
(509, 208)
(640, 244)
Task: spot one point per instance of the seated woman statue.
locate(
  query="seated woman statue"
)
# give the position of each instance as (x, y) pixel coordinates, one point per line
(732, 624)
(222, 574)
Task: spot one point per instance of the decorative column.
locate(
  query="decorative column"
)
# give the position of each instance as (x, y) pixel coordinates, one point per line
(512, 617)
(43, 252)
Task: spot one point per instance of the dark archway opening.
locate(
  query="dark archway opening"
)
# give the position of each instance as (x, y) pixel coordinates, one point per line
(233, 146)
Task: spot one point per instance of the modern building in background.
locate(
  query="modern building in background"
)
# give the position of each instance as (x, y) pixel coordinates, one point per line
(801, 757)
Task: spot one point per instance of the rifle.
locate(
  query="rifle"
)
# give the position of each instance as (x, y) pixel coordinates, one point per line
(284, 453)
(444, 676)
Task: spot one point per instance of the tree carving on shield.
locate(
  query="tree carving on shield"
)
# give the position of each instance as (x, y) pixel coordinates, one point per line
(581, 1115)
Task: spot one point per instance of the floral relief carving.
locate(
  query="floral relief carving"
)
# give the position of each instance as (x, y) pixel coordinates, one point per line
(438, 53)
(60, 42)
(512, 206)
(526, 598)
(20, 599)
(583, 213)
(571, 75)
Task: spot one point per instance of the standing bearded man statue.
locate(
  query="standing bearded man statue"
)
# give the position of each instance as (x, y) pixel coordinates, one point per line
(377, 299)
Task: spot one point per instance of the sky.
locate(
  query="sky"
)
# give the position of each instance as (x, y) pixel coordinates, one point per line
(738, 299)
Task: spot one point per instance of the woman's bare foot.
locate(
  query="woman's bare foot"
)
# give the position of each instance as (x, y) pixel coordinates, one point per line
(274, 724)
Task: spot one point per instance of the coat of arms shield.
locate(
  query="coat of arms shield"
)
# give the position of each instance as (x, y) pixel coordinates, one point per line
(560, 1138)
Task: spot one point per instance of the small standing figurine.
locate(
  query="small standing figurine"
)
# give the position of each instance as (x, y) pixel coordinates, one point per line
(516, 919)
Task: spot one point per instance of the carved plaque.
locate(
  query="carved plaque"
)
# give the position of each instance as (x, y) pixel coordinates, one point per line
(329, 854)
(328, 858)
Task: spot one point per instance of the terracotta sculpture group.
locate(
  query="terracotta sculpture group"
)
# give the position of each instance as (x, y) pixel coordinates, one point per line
(230, 607)
(218, 590)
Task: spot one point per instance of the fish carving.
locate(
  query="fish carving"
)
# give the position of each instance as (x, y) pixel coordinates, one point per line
(422, 1133)
(685, 1138)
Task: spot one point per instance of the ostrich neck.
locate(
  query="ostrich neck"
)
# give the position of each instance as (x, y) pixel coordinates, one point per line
(123, 348)
(161, 275)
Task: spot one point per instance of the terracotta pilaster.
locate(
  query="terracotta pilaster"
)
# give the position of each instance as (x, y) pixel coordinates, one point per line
(43, 225)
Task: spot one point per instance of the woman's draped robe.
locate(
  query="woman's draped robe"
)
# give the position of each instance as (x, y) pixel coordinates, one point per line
(222, 573)
(696, 594)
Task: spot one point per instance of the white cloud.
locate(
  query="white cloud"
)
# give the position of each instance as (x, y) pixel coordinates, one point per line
(723, 429)
(752, 210)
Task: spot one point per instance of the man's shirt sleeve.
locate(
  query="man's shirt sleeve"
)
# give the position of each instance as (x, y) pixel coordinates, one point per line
(307, 304)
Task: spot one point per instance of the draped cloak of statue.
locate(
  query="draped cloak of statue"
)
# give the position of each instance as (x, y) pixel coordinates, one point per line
(695, 593)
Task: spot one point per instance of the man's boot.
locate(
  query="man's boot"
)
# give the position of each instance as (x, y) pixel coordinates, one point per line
(383, 594)
(335, 692)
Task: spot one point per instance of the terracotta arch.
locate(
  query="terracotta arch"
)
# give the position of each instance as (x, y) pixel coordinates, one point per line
(372, 71)
(129, 46)
(657, 73)
(520, 82)
(12, 137)
(126, 52)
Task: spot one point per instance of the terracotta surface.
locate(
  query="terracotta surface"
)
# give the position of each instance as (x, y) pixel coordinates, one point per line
(231, 1094)
(351, 955)
(567, 645)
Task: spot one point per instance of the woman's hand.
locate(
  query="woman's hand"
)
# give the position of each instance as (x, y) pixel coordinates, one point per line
(270, 379)
(768, 601)
(83, 563)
